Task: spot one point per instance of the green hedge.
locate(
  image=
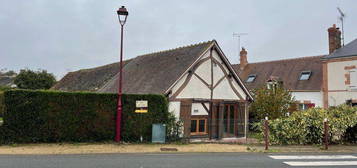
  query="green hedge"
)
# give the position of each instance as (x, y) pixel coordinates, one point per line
(2, 104)
(50, 116)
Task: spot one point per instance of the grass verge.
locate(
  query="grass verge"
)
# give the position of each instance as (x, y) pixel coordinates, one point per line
(86, 148)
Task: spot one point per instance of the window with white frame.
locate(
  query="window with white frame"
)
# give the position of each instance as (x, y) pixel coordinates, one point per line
(305, 75)
(251, 78)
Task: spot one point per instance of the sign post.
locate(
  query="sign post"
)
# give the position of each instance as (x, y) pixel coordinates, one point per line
(141, 107)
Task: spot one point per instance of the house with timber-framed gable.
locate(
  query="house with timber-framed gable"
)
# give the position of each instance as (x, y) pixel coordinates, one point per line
(202, 87)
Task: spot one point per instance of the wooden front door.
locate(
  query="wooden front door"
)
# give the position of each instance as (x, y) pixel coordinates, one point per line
(229, 120)
(185, 116)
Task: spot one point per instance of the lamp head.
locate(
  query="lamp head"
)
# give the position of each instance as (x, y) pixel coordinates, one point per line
(122, 15)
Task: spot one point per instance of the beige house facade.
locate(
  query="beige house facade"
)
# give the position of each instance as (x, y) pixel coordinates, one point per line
(340, 71)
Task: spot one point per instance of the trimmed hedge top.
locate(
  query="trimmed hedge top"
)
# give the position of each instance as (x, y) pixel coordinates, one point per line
(51, 116)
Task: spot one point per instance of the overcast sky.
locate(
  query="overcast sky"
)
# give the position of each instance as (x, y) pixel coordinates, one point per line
(68, 35)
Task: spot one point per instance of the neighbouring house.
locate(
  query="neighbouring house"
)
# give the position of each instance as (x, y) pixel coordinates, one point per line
(202, 87)
(314, 81)
(340, 71)
(7, 79)
(88, 79)
(302, 76)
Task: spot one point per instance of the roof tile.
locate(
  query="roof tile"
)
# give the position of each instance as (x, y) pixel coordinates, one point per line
(287, 70)
(156, 72)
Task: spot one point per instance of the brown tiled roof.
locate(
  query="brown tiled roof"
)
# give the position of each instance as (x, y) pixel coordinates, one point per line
(287, 70)
(156, 72)
(88, 79)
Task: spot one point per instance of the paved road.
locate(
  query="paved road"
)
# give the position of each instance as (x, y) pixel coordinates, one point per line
(186, 160)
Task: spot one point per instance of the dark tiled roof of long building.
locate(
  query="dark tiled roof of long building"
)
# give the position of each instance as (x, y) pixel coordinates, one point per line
(88, 79)
(288, 71)
(154, 73)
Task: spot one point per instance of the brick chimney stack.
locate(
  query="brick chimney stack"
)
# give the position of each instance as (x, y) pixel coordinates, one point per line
(243, 59)
(334, 38)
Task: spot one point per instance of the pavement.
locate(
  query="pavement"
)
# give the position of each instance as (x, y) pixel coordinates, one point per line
(181, 160)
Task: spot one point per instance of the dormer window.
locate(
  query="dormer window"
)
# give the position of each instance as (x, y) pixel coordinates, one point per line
(274, 82)
(251, 78)
(305, 75)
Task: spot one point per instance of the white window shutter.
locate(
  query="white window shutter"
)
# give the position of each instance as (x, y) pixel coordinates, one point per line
(353, 79)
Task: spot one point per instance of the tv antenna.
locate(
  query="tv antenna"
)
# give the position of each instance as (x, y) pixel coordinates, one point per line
(342, 17)
(238, 35)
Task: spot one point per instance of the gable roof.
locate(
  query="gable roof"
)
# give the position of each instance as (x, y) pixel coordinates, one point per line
(151, 73)
(346, 51)
(88, 79)
(154, 73)
(287, 70)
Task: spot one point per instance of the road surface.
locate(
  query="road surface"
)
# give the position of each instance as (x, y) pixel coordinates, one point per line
(179, 160)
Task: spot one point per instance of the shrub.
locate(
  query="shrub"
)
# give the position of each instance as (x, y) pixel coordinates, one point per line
(2, 98)
(272, 103)
(49, 116)
(5, 88)
(306, 127)
(351, 135)
(174, 128)
(28, 79)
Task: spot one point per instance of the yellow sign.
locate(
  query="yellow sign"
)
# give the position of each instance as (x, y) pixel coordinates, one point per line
(141, 111)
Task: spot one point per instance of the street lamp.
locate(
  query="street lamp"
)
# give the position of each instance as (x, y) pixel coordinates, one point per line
(122, 15)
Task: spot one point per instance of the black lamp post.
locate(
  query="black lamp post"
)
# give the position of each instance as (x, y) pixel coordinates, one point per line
(122, 15)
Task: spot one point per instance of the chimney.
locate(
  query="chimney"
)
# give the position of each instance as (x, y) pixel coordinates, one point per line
(334, 38)
(243, 59)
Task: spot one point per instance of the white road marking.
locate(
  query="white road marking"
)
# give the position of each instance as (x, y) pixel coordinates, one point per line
(323, 163)
(296, 157)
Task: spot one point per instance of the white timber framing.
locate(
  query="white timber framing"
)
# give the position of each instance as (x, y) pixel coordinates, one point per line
(210, 78)
(220, 83)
